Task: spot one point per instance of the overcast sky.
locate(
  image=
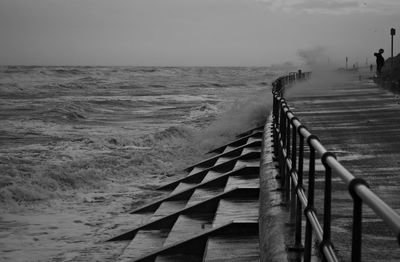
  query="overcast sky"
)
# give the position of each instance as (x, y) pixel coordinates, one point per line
(192, 32)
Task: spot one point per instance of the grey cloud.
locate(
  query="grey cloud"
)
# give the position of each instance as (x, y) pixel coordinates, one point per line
(334, 6)
(315, 6)
(325, 4)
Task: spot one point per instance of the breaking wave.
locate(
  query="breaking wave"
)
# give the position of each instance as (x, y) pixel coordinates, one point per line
(243, 115)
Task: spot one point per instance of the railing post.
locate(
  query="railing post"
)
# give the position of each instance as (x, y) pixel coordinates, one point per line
(299, 214)
(327, 202)
(283, 123)
(282, 160)
(288, 134)
(287, 148)
(357, 220)
(310, 199)
(294, 164)
(275, 119)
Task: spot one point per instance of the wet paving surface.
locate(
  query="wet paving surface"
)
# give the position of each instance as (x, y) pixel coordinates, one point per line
(359, 122)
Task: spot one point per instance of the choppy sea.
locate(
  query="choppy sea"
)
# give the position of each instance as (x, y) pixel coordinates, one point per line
(82, 128)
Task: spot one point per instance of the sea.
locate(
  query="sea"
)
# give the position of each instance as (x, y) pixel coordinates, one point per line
(80, 147)
(84, 128)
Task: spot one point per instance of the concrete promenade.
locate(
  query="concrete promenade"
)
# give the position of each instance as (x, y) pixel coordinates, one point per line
(359, 122)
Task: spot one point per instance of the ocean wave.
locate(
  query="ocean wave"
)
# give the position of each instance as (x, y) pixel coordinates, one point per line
(17, 69)
(90, 163)
(206, 109)
(201, 85)
(157, 86)
(218, 85)
(240, 116)
(68, 112)
(65, 71)
(171, 136)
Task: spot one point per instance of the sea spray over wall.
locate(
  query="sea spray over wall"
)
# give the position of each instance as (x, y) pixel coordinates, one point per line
(243, 115)
(324, 74)
(312, 56)
(316, 59)
(321, 79)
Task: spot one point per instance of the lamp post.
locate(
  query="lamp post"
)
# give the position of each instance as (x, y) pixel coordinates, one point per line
(392, 33)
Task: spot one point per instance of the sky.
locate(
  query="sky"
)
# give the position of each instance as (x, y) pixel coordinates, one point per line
(193, 32)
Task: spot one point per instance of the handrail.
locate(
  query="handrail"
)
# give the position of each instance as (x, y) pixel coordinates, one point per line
(289, 136)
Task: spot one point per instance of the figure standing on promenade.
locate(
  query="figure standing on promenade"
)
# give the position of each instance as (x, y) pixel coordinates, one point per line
(380, 61)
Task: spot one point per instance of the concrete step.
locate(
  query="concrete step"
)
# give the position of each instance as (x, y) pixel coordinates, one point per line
(223, 167)
(242, 206)
(229, 151)
(240, 244)
(212, 175)
(247, 162)
(212, 179)
(188, 225)
(168, 220)
(240, 141)
(223, 160)
(191, 248)
(233, 248)
(201, 194)
(251, 131)
(237, 209)
(236, 246)
(144, 242)
(182, 187)
(247, 181)
(167, 208)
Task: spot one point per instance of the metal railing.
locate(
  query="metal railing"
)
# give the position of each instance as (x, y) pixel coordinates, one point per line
(289, 148)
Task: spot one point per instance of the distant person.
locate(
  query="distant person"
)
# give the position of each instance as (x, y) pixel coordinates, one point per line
(380, 61)
(371, 68)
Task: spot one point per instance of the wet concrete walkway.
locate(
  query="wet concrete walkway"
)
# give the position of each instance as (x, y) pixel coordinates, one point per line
(360, 122)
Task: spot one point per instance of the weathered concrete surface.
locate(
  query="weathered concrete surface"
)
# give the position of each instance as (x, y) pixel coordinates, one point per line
(209, 215)
(360, 122)
(272, 214)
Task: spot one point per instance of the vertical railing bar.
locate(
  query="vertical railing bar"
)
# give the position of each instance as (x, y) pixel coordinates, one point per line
(283, 138)
(299, 214)
(357, 220)
(294, 164)
(288, 135)
(310, 200)
(279, 137)
(278, 125)
(275, 124)
(283, 122)
(327, 202)
(288, 178)
(357, 231)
